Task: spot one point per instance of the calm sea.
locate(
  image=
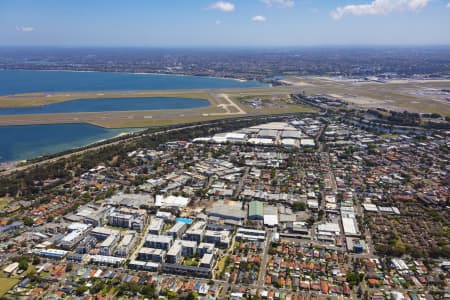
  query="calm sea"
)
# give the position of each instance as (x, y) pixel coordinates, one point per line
(25, 142)
(15, 82)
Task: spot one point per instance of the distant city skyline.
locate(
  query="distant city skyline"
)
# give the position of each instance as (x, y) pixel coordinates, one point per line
(233, 23)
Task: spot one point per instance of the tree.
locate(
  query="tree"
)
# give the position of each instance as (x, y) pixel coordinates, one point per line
(23, 264)
(299, 206)
(352, 278)
(69, 267)
(148, 291)
(36, 260)
(81, 290)
(192, 296)
(27, 221)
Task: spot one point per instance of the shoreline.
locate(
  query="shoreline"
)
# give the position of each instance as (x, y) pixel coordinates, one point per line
(11, 164)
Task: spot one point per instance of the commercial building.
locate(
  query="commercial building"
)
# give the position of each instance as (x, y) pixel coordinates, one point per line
(228, 211)
(256, 210)
(134, 201)
(250, 234)
(171, 201)
(290, 142)
(270, 216)
(350, 227)
(268, 134)
(53, 253)
(307, 143)
(300, 228)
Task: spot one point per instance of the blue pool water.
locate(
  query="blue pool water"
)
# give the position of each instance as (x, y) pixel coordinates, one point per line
(184, 220)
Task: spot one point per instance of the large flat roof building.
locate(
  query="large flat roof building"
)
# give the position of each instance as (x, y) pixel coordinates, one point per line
(256, 210)
(270, 216)
(231, 210)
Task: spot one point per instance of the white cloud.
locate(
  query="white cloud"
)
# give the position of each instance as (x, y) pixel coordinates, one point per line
(25, 28)
(283, 3)
(223, 6)
(379, 7)
(259, 19)
(448, 5)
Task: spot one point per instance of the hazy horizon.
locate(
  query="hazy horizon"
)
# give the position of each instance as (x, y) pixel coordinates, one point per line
(225, 24)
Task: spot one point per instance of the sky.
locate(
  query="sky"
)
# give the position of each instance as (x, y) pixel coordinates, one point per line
(227, 23)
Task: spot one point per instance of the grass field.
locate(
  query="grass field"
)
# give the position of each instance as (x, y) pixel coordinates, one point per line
(221, 265)
(4, 201)
(272, 103)
(423, 96)
(6, 284)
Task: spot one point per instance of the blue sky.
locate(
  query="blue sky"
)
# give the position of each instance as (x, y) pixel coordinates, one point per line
(193, 23)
